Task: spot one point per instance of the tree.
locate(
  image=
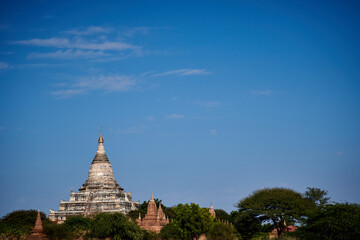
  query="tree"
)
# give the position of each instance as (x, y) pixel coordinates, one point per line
(338, 221)
(277, 206)
(317, 195)
(247, 224)
(58, 231)
(171, 231)
(221, 231)
(222, 215)
(77, 225)
(19, 223)
(192, 220)
(114, 225)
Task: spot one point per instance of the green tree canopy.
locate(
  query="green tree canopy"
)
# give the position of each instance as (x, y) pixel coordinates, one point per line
(317, 195)
(192, 220)
(19, 223)
(222, 215)
(171, 231)
(116, 226)
(276, 205)
(248, 225)
(77, 223)
(221, 231)
(59, 231)
(338, 221)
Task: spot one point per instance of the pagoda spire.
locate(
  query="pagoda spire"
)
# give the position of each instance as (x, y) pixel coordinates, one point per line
(101, 175)
(101, 149)
(151, 208)
(101, 140)
(37, 231)
(38, 228)
(212, 211)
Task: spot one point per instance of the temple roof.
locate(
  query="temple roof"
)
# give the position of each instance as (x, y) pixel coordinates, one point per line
(100, 153)
(100, 173)
(101, 139)
(38, 225)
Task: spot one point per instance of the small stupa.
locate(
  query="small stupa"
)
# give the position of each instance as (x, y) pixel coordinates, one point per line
(155, 218)
(212, 211)
(37, 231)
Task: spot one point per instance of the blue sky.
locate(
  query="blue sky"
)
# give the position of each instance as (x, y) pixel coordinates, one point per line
(200, 101)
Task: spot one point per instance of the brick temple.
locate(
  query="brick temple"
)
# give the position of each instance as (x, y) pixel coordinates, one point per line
(100, 192)
(37, 232)
(154, 219)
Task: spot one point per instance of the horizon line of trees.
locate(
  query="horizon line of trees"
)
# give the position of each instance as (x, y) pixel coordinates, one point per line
(257, 215)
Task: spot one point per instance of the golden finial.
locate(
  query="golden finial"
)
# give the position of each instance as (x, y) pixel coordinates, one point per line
(101, 139)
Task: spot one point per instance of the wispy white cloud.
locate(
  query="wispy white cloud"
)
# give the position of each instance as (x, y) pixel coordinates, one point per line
(105, 46)
(213, 132)
(69, 53)
(47, 42)
(175, 116)
(66, 93)
(76, 44)
(97, 43)
(4, 65)
(114, 83)
(40, 65)
(88, 31)
(150, 118)
(262, 92)
(209, 104)
(130, 32)
(183, 72)
(133, 130)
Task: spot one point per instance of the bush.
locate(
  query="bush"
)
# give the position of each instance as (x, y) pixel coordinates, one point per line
(171, 231)
(338, 221)
(221, 231)
(18, 224)
(116, 226)
(58, 231)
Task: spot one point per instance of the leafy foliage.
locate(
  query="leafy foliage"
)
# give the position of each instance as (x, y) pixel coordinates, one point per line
(58, 231)
(116, 226)
(19, 223)
(338, 221)
(192, 220)
(221, 231)
(222, 215)
(248, 225)
(276, 205)
(317, 195)
(72, 228)
(78, 223)
(171, 231)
